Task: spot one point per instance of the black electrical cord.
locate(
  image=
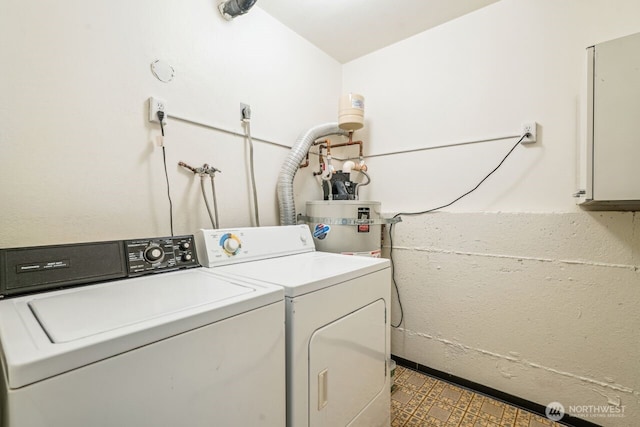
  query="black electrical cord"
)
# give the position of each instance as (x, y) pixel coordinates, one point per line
(161, 118)
(393, 270)
(166, 174)
(393, 277)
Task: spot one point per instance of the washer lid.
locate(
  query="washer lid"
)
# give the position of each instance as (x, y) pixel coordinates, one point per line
(303, 273)
(90, 310)
(44, 335)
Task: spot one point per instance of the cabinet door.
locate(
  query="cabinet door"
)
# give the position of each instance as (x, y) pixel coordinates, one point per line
(616, 120)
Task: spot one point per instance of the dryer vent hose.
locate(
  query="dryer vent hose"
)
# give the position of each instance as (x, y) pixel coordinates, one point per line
(291, 164)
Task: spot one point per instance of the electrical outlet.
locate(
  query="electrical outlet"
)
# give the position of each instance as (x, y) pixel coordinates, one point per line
(245, 111)
(155, 105)
(530, 129)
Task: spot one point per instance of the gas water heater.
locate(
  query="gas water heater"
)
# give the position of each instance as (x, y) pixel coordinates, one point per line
(341, 222)
(352, 227)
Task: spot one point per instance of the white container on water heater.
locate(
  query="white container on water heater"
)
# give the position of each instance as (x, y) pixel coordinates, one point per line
(333, 224)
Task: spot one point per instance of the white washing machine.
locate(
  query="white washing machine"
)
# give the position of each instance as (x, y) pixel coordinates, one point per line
(183, 347)
(337, 320)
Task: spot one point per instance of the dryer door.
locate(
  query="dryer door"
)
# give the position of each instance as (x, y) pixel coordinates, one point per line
(347, 366)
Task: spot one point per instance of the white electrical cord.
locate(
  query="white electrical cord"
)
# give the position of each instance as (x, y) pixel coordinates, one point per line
(247, 126)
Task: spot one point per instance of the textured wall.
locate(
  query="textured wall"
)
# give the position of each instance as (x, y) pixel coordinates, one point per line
(542, 306)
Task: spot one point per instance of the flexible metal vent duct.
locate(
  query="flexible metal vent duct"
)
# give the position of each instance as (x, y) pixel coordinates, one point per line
(291, 165)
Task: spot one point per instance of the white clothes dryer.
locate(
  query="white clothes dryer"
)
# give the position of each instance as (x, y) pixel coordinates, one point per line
(337, 320)
(178, 348)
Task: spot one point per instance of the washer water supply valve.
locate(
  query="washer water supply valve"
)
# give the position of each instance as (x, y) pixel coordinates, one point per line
(204, 171)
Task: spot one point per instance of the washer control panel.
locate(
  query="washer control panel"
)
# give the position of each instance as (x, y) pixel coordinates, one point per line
(160, 254)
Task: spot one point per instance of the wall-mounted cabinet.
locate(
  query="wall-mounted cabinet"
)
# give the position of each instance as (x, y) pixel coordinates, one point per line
(613, 136)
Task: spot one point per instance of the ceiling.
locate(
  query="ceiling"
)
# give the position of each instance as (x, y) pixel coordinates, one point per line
(348, 29)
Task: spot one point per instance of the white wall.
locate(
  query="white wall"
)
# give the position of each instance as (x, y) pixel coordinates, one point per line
(477, 77)
(77, 155)
(513, 287)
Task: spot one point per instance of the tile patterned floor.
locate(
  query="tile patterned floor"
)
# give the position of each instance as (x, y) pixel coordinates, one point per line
(424, 401)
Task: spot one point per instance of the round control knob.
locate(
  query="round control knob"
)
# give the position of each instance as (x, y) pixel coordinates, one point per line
(231, 245)
(153, 254)
(185, 245)
(186, 257)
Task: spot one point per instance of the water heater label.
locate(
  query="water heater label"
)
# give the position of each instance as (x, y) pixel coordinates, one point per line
(363, 214)
(321, 231)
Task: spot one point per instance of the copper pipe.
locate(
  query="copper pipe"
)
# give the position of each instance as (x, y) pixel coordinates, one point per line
(186, 166)
(306, 163)
(320, 161)
(343, 144)
(327, 144)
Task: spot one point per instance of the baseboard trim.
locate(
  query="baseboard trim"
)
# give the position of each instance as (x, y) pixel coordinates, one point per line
(496, 394)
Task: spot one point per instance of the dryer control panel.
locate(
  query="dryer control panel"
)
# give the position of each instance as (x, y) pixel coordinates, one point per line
(235, 245)
(160, 254)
